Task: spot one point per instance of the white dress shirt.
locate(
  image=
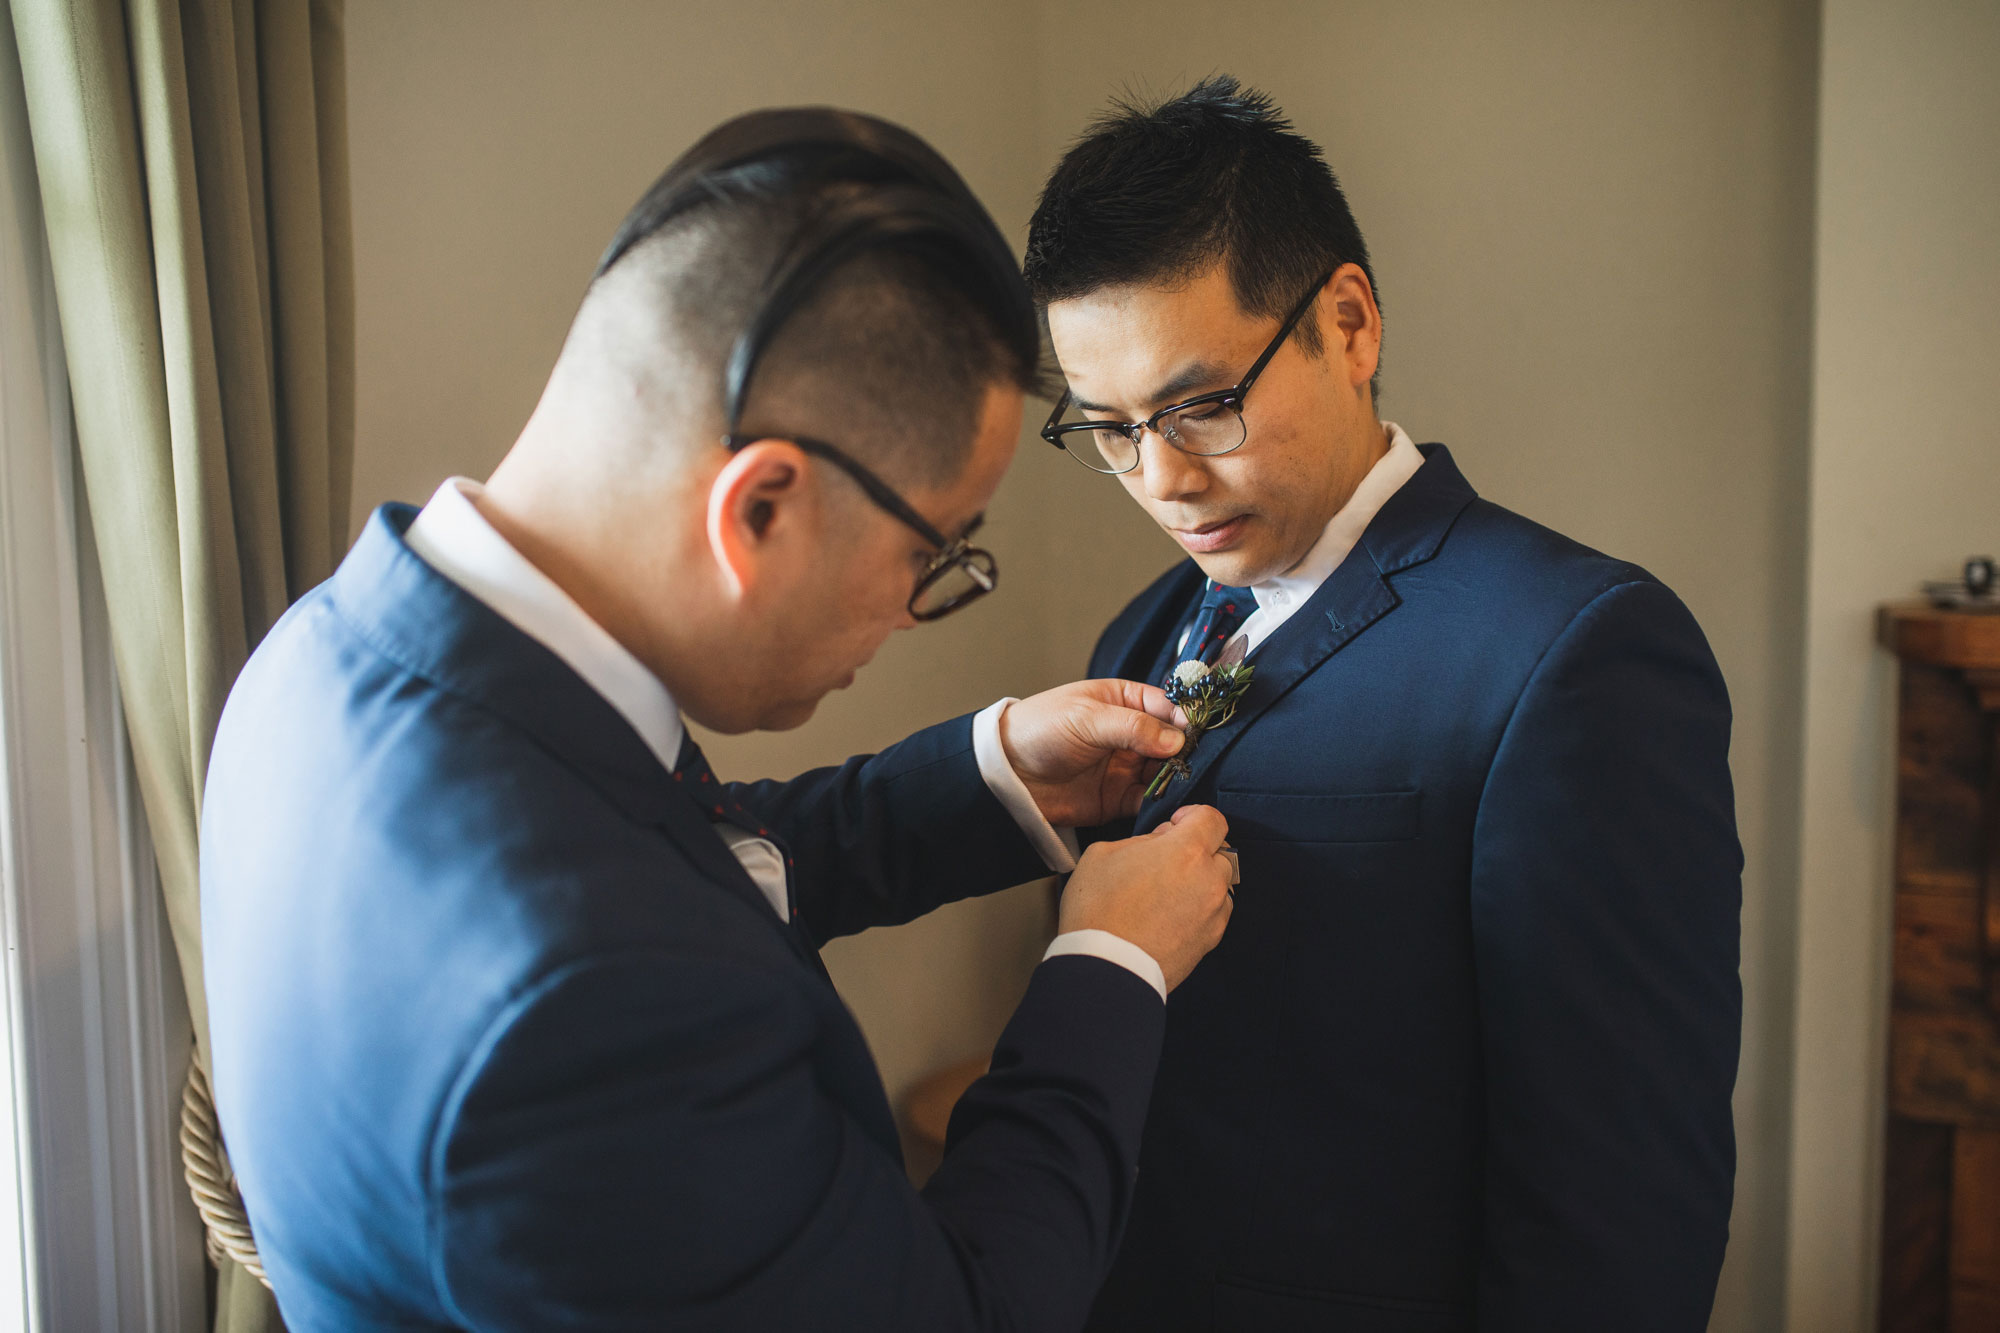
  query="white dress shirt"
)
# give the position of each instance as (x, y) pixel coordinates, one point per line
(454, 538)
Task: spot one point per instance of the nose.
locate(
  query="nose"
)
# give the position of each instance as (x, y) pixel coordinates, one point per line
(1170, 473)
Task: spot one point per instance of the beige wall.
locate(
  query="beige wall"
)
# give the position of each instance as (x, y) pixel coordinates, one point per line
(1593, 227)
(1905, 482)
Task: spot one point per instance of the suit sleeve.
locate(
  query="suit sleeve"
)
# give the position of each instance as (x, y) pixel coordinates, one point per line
(643, 1142)
(1605, 897)
(884, 838)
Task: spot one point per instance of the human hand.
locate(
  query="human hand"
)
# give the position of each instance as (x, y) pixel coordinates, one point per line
(1167, 891)
(1083, 750)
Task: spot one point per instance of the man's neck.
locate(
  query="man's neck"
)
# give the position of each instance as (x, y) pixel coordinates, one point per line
(1370, 456)
(610, 580)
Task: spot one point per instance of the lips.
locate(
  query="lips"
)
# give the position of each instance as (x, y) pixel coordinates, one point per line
(1209, 537)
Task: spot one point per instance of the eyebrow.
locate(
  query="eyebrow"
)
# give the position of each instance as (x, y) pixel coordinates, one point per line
(1185, 382)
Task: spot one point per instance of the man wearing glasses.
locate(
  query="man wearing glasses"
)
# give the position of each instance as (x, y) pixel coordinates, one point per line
(1465, 1058)
(518, 1018)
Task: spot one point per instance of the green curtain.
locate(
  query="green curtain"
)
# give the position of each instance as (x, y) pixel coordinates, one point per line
(193, 167)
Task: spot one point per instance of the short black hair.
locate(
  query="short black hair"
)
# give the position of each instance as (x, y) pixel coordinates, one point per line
(825, 266)
(1159, 193)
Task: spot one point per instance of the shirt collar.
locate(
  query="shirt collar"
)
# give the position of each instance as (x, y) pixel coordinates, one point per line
(1288, 590)
(455, 539)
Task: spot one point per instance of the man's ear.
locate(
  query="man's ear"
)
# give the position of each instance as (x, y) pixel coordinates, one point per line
(1354, 334)
(755, 501)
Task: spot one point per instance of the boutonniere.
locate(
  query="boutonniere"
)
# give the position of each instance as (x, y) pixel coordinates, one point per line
(1208, 695)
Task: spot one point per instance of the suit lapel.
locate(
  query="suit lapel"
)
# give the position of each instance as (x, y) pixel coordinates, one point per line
(1408, 531)
(1177, 625)
(1135, 647)
(420, 618)
(1353, 598)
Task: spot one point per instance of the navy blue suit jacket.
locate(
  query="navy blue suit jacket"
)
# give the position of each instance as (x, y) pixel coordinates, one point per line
(1464, 1057)
(505, 1038)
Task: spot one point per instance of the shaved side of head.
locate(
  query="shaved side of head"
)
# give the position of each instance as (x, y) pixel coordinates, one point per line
(887, 359)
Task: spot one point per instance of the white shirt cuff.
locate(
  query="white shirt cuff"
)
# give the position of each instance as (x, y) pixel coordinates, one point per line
(1112, 949)
(1057, 846)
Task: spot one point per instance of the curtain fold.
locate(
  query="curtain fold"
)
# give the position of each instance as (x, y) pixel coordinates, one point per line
(193, 167)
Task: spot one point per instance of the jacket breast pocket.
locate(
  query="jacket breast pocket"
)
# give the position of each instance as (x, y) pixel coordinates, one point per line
(1273, 816)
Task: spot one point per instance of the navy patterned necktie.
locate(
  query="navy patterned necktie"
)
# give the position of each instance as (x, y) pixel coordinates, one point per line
(1223, 611)
(693, 773)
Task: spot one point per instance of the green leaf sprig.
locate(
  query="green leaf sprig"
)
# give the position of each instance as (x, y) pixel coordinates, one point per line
(1208, 695)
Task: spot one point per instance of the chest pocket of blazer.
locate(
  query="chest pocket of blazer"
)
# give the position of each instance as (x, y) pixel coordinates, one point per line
(1276, 816)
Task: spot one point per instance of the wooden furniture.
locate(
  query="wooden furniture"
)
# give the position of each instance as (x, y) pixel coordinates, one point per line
(1941, 1192)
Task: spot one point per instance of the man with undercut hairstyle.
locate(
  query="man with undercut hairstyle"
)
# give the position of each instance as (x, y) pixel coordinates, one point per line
(1465, 1058)
(518, 1017)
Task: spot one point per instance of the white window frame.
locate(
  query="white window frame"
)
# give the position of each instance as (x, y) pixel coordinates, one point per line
(94, 1030)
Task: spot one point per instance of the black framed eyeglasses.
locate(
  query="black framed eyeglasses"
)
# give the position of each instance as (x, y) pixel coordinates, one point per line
(959, 573)
(1206, 424)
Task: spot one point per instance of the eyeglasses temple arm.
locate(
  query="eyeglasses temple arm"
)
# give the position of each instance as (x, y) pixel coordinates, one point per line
(1049, 426)
(1291, 322)
(877, 490)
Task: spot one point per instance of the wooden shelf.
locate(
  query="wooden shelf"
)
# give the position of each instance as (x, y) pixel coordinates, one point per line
(1941, 1188)
(1920, 632)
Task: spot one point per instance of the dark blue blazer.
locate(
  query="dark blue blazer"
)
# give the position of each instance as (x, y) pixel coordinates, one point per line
(1464, 1058)
(505, 1038)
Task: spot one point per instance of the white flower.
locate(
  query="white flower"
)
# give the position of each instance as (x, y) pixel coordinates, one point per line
(1189, 672)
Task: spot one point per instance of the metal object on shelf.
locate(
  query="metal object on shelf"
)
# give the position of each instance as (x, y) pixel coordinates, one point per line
(1977, 591)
